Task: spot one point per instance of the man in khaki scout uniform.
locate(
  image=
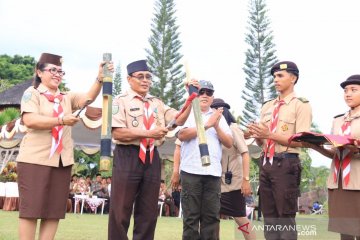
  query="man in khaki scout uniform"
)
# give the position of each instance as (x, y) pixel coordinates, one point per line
(138, 127)
(280, 170)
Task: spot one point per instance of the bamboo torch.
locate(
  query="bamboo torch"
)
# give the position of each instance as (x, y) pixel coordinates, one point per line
(204, 150)
(105, 143)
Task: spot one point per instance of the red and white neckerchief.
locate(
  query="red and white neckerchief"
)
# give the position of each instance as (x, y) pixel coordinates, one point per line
(148, 124)
(270, 145)
(343, 155)
(57, 131)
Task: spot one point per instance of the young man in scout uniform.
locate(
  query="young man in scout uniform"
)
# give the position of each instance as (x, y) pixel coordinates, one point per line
(139, 125)
(280, 170)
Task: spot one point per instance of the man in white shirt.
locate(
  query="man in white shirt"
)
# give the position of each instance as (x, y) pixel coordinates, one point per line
(200, 196)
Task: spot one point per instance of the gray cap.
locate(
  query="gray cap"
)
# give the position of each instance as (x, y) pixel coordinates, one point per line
(206, 85)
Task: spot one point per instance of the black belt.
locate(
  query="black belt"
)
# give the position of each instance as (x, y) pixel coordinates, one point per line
(283, 155)
(134, 146)
(286, 155)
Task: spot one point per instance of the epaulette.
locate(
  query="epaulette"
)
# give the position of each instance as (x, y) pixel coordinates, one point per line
(340, 115)
(304, 100)
(121, 95)
(267, 101)
(156, 98)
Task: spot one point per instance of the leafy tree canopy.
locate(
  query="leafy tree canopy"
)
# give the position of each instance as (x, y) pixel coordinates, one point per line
(16, 69)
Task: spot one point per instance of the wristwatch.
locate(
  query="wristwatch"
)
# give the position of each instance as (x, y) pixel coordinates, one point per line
(246, 178)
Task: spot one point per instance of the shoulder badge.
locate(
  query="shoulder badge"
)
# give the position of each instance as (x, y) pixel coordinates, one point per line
(157, 98)
(267, 101)
(122, 95)
(340, 115)
(26, 97)
(115, 109)
(304, 100)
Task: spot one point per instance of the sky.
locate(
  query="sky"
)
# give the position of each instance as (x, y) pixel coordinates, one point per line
(321, 36)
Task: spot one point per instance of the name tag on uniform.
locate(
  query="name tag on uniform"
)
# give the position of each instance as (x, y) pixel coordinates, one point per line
(134, 109)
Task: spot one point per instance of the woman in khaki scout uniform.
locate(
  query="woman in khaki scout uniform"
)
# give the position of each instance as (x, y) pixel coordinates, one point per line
(46, 151)
(344, 181)
(235, 182)
(280, 168)
(136, 167)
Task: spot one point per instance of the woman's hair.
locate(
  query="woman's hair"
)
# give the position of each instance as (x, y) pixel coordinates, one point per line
(226, 113)
(37, 79)
(228, 116)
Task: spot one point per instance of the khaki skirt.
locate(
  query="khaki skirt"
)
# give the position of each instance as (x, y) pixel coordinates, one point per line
(344, 211)
(43, 190)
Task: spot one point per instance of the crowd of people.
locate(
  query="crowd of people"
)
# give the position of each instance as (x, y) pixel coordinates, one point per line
(99, 187)
(140, 122)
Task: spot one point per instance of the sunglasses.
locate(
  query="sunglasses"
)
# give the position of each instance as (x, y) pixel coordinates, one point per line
(208, 92)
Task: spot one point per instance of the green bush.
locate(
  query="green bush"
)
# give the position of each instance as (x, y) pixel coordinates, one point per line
(8, 115)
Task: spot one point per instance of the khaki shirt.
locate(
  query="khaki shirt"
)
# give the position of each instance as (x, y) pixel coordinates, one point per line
(36, 144)
(354, 182)
(294, 116)
(128, 112)
(232, 161)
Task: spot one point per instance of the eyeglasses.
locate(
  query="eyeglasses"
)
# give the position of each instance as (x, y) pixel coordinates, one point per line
(142, 77)
(55, 71)
(208, 92)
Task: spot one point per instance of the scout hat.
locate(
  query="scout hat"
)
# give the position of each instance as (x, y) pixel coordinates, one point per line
(206, 85)
(137, 66)
(285, 65)
(218, 102)
(354, 79)
(50, 58)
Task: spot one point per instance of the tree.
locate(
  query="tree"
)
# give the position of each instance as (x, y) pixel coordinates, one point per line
(17, 69)
(117, 81)
(260, 57)
(163, 55)
(306, 176)
(14, 70)
(88, 164)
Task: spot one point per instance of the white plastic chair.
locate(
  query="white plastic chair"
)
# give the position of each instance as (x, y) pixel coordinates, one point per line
(161, 204)
(78, 198)
(250, 212)
(180, 210)
(319, 211)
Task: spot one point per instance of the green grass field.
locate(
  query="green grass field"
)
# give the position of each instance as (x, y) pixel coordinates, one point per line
(94, 227)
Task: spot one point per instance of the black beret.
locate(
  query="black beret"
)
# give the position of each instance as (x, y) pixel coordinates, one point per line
(218, 102)
(206, 85)
(285, 65)
(354, 79)
(50, 58)
(137, 66)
